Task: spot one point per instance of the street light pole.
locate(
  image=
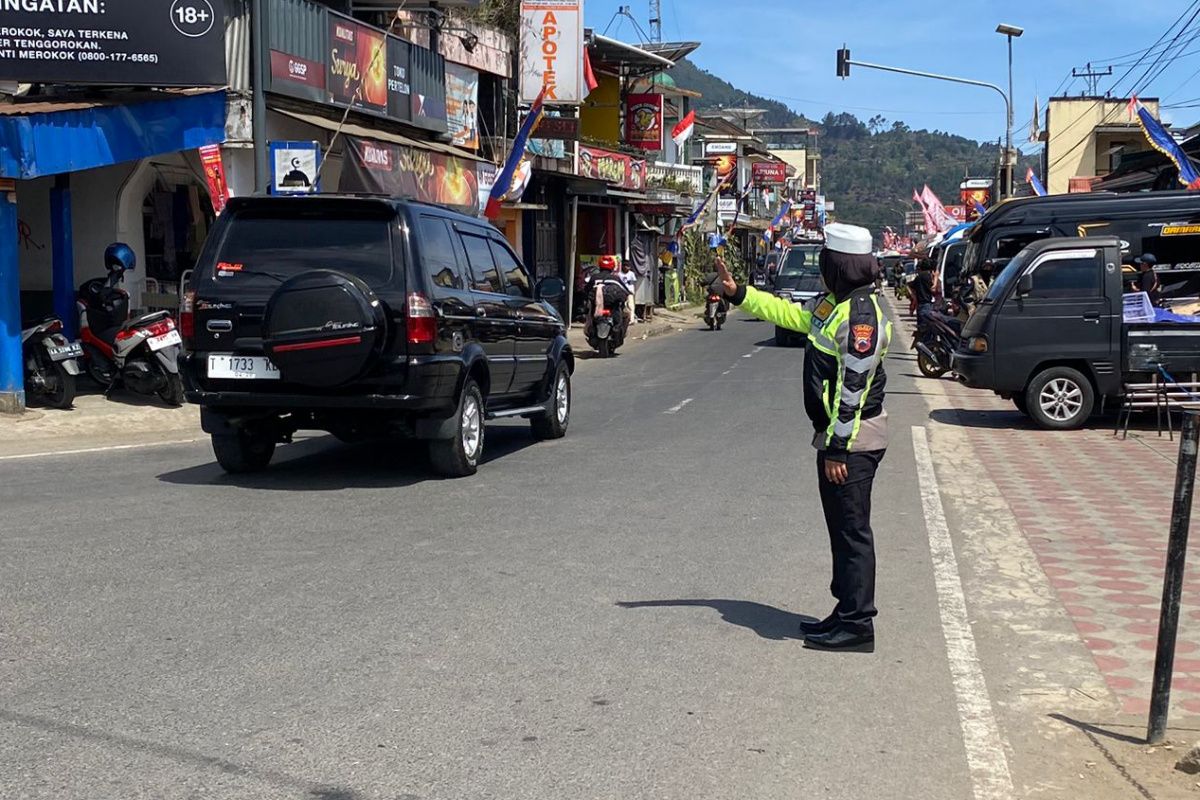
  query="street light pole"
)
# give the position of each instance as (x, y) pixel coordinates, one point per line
(1010, 32)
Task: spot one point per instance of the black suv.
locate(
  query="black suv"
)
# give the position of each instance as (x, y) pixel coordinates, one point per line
(368, 316)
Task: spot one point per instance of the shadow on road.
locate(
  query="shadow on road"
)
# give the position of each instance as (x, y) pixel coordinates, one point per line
(1093, 733)
(180, 755)
(324, 464)
(767, 621)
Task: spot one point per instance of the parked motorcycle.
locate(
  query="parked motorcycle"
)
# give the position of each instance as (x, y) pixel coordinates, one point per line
(715, 311)
(50, 363)
(938, 334)
(141, 354)
(607, 322)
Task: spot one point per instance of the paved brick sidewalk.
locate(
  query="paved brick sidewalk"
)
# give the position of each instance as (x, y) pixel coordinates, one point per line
(1095, 509)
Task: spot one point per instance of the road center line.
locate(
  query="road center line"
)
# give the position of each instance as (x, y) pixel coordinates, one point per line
(677, 408)
(97, 449)
(990, 778)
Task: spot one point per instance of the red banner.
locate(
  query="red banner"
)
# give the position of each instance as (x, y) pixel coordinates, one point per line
(767, 173)
(214, 174)
(644, 121)
(615, 168)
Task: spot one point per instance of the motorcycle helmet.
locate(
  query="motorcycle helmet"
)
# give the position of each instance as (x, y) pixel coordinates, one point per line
(608, 263)
(119, 257)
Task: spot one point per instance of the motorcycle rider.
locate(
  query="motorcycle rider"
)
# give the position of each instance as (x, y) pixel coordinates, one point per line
(605, 288)
(844, 384)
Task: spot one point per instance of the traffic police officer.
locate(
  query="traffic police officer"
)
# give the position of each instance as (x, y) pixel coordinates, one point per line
(848, 336)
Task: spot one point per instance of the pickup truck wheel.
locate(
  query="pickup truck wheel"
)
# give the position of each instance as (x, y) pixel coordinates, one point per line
(458, 456)
(242, 451)
(1060, 398)
(553, 423)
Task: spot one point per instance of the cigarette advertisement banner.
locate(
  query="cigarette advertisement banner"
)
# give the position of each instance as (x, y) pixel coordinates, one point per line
(462, 106)
(214, 175)
(616, 168)
(180, 43)
(374, 167)
(552, 51)
(357, 65)
(644, 121)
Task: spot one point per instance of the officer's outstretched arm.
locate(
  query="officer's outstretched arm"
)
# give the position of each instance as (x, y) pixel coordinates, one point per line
(860, 347)
(783, 313)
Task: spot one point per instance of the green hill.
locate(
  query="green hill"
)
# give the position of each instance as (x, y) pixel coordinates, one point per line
(868, 168)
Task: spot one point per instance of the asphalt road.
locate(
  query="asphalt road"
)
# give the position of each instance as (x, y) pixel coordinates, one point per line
(613, 615)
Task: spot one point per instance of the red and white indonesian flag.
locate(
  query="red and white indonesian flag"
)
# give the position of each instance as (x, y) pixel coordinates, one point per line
(683, 131)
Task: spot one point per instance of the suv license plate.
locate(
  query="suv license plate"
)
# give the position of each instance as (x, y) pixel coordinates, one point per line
(242, 367)
(166, 340)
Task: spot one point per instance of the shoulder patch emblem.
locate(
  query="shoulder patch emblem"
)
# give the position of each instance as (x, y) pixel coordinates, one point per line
(824, 309)
(863, 334)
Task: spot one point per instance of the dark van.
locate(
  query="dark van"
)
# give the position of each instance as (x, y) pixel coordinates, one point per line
(366, 317)
(1166, 224)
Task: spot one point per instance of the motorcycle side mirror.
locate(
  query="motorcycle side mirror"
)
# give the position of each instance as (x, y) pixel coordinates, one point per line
(550, 289)
(1025, 285)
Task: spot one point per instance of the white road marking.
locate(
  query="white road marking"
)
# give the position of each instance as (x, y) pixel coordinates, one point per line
(97, 449)
(726, 372)
(990, 778)
(676, 409)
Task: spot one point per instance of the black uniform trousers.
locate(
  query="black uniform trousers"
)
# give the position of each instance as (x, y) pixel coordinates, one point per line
(847, 508)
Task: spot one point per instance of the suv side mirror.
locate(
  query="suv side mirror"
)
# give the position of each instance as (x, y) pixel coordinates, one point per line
(551, 289)
(1025, 285)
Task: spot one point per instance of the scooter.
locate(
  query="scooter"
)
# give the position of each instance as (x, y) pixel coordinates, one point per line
(50, 365)
(607, 324)
(938, 336)
(715, 311)
(141, 354)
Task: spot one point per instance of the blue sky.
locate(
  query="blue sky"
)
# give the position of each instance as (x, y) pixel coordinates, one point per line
(787, 51)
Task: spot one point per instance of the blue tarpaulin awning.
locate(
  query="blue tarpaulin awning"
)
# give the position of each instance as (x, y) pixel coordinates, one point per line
(50, 138)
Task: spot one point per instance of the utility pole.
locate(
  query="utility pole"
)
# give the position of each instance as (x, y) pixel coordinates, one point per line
(656, 20)
(1092, 77)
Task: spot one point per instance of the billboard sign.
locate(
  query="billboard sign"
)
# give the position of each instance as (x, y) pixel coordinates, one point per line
(615, 168)
(357, 65)
(462, 106)
(719, 148)
(552, 51)
(102, 42)
(375, 167)
(766, 173)
(644, 121)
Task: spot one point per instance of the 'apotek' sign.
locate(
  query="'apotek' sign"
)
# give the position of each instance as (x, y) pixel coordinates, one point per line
(119, 42)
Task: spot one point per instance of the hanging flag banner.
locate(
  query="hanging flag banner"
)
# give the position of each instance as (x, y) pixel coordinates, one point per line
(1163, 142)
(552, 51)
(504, 181)
(644, 121)
(683, 131)
(1032, 179)
(214, 175)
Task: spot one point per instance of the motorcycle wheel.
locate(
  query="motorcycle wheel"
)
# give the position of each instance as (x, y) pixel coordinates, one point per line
(603, 347)
(172, 392)
(58, 386)
(712, 324)
(719, 324)
(929, 368)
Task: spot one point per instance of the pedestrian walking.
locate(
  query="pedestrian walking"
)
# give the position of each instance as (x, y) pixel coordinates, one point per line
(844, 383)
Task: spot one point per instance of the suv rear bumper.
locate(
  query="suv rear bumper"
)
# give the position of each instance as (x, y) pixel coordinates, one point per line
(403, 402)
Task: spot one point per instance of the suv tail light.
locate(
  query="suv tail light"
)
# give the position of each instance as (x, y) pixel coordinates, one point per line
(187, 316)
(422, 322)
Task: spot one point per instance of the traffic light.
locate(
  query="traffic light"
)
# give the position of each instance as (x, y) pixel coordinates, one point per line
(843, 63)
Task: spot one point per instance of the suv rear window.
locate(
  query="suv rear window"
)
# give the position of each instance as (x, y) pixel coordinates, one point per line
(281, 246)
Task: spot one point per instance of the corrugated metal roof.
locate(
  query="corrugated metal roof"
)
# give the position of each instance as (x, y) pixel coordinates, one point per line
(351, 129)
(237, 45)
(63, 104)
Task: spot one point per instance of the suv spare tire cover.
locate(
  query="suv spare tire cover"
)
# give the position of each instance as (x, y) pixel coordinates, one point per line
(323, 328)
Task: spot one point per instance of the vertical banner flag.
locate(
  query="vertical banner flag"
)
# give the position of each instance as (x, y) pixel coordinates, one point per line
(683, 131)
(505, 179)
(214, 174)
(552, 52)
(1163, 142)
(941, 217)
(929, 225)
(644, 121)
(783, 212)
(1032, 179)
(589, 75)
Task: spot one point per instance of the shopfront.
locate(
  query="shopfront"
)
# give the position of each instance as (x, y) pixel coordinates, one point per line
(77, 174)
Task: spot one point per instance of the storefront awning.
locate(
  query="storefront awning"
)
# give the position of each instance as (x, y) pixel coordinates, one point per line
(53, 137)
(350, 129)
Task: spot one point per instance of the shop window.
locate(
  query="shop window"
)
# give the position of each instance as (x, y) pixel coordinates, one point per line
(516, 282)
(483, 269)
(437, 247)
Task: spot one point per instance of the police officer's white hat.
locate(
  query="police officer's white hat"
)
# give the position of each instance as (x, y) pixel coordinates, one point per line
(851, 239)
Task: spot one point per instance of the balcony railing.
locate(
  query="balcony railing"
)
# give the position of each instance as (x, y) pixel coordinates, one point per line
(679, 177)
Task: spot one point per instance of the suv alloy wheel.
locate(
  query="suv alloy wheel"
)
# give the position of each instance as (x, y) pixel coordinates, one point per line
(553, 423)
(458, 456)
